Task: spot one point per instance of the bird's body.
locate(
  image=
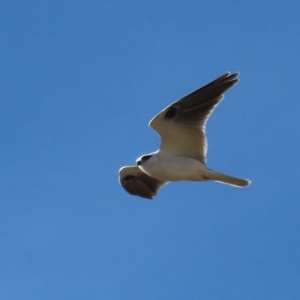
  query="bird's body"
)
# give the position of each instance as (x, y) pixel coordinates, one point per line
(167, 167)
(182, 152)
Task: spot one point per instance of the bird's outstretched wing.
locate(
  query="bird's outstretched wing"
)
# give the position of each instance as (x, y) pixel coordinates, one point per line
(181, 125)
(136, 182)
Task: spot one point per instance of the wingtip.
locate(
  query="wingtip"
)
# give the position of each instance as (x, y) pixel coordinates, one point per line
(228, 77)
(233, 78)
(236, 75)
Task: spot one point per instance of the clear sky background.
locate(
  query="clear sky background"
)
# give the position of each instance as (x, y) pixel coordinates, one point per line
(80, 80)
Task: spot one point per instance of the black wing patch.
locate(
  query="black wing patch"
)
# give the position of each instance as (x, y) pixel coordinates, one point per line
(197, 106)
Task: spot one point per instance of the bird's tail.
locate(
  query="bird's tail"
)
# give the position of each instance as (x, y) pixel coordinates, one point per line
(227, 179)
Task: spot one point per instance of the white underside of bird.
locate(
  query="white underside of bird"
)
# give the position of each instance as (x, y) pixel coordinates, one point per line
(174, 168)
(178, 168)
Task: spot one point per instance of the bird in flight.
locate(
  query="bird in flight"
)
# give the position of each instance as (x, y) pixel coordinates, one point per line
(183, 147)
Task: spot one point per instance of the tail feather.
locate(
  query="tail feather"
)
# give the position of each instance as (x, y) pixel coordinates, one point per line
(227, 179)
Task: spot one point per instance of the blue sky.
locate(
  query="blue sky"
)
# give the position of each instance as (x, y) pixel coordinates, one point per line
(80, 81)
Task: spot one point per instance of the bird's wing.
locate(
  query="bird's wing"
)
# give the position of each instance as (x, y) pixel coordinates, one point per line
(136, 182)
(181, 125)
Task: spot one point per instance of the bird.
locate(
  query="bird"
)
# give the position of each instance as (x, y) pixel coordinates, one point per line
(183, 146)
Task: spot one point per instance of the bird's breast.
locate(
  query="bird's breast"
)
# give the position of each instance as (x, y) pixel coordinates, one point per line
(174, 168)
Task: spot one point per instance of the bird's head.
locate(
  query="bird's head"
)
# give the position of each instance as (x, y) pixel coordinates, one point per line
(143, 158)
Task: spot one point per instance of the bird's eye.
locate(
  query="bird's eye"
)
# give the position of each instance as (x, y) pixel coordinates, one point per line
(128, 177)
